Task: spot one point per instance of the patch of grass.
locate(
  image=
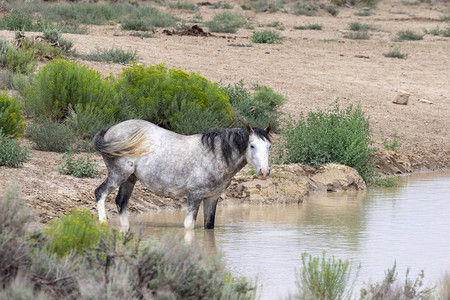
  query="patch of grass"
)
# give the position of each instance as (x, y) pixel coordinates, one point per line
(356, 26)
(12, 155)
(49, 135)
(276, 24)
(142, 35)
(266, 37)
(437, 31)
(387, 181)
(78, 166)
(392, 144)
(218, 5)
(324, 278)
(334, 135)
(226, 22)
(22, 60)
(259, 108)
(241, 45)
(387, 289)
(6, 79)
(147, 18)
(305, 8)
(310, 27)
(395, 54)
(183, 5)
(357, 35)
(332, 9)
(117, 56)
(22, 21)
(364, 13)
(408, 35)
(266, 6)
(411, 3)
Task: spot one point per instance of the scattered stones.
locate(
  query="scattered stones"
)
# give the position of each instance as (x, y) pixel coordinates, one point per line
(402, 98)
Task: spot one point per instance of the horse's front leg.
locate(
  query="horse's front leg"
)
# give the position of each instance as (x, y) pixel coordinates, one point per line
(209, 211)
(193, 204)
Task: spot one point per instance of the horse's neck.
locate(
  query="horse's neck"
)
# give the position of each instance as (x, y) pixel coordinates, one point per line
(237, 163)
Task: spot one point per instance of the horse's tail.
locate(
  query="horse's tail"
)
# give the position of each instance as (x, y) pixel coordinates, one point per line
(136, 145)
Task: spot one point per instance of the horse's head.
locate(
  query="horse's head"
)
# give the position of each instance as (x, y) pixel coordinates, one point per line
(258, 150)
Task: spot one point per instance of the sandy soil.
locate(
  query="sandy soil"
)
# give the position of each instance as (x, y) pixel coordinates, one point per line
(311, 68)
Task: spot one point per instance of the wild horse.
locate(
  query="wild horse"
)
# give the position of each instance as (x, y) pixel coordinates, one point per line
(169, 164)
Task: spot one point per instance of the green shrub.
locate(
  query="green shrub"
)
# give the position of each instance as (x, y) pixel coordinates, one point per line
(54, 36)
(6, 79)
(322, 278)
(112, 55)
(357, 35)
(266, 6)
(387, 181)
(408, 35)
(437, 31)
(392, 144)
(14, 217)
(12, 155)
(65, 89)
(172, 97)
(329, 136)
(332, 9)
(305, 8)
(266, 37)
(226, 22)
(311, 27)
(17, 60)
(11, 120)
(259, 109)
(356, 26)
(21, 21)
(395, 54)
(74, 232)
(411, 289)
(78, 167)
(176, 271)
(364, 13)
(147, 18)
(52, 136)
(183, 5)
(217, 5)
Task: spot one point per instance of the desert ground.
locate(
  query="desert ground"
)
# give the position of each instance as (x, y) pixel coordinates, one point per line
(312, 68)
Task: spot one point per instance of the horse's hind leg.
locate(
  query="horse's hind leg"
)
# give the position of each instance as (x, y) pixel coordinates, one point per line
(116, 176)
(122, 198)
(209, 211)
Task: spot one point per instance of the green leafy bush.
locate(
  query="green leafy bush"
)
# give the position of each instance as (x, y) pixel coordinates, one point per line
(322, 278)
(408, 35)
(65, 89)
(12, 155)
(78, 166)
(147, 18)
(259, 109)
(226, 22)
(75, 232)
(11, 120)
(49, 135)
(112, 55)
(395, 54)
(177, 271)
(17, 60)
(391, 144)
(13, 218)
(266, 37)
(356, 26)
(329, 136)
(173, 98)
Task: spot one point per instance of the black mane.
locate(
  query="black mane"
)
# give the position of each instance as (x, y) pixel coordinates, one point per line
(229, 139)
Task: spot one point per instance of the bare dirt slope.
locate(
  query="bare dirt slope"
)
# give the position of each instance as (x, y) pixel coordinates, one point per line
(311, 68)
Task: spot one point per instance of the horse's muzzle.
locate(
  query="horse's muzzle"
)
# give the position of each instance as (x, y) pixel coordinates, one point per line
(263, 173)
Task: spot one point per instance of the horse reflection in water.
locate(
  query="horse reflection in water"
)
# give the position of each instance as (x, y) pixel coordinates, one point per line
(198, 166)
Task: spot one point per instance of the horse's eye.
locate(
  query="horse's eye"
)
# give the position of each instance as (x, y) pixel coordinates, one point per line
(251, 146)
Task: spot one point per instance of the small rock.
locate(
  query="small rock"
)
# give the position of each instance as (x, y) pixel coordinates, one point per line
(402, 97)
(425, 101)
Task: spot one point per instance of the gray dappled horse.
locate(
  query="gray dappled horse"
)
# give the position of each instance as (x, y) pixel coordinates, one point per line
(169, 164)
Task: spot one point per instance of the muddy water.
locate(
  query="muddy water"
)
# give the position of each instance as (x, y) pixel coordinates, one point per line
(408, 224)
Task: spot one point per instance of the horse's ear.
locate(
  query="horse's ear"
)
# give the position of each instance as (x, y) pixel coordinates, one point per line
(267, 129)
(249, 129)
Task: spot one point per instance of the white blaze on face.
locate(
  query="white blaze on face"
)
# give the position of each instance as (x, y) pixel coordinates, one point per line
(258, 155)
